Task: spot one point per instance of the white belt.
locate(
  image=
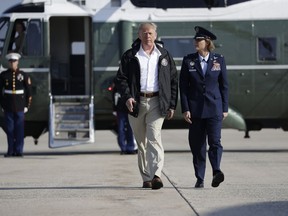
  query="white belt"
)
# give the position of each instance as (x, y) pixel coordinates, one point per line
(14, 91)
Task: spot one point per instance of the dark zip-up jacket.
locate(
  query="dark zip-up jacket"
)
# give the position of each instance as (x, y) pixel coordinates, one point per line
(128, 78)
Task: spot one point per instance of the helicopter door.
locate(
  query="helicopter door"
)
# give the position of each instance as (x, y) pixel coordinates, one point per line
(71, 99)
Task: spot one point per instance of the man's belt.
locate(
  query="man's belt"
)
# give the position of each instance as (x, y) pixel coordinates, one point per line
(149, 94)
(14, 91)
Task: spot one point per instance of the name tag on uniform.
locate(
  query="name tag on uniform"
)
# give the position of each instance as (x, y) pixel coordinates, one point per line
(191, 70)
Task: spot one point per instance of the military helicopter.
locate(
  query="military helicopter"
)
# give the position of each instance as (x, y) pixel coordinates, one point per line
(72, 51)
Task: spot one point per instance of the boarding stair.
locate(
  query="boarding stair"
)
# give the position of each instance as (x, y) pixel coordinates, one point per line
(71, 120)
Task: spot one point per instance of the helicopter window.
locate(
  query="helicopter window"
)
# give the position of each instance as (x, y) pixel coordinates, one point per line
(34, 38)
(3, 31)
(184, 3)
(79, 2)
(18, 36)
(27, 38)
(178, 46)
(78, 48)
(266, 48)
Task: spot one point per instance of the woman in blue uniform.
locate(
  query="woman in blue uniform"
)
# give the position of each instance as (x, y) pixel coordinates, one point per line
(204, 100)
(15, 99)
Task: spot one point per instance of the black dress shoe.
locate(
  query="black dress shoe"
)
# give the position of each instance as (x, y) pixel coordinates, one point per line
(8, 155)
(217, 179)
(156, 183)
(18, 155)
(147, 184)
(131, 152)
(199, 184)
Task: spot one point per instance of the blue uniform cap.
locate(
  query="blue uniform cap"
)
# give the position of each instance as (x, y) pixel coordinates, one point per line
(202, 33)
(13, 56)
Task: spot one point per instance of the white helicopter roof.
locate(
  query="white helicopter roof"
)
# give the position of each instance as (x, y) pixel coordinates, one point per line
(254, 9)
(52, 8)
(105, 11)
(64, 8)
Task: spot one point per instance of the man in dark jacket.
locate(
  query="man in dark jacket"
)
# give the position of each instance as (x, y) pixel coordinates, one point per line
(148, 81)
(125, 135)
(15, 99)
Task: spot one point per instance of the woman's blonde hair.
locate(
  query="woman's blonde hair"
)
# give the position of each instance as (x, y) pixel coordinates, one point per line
(210, 45)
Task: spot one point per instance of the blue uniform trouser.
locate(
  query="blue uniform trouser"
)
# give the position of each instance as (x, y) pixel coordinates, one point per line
(125, 133)
(199, 130)
(15, 132)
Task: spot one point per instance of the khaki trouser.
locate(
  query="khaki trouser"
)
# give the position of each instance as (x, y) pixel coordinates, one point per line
(147, 131)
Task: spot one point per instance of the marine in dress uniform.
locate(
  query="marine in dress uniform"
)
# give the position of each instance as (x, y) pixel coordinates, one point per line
(204, 101)
(15, 86)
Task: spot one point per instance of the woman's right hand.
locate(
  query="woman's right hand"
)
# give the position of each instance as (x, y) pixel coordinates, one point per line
(187, 117)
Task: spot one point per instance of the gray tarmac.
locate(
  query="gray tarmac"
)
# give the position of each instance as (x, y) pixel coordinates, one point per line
(94, 179)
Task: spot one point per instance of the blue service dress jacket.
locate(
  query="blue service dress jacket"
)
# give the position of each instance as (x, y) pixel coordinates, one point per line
(205, 96)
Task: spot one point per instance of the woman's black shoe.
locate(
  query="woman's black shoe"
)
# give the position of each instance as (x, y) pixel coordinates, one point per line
(199, 184)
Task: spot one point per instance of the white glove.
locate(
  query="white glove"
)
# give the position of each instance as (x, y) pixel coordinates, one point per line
(25, 109)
